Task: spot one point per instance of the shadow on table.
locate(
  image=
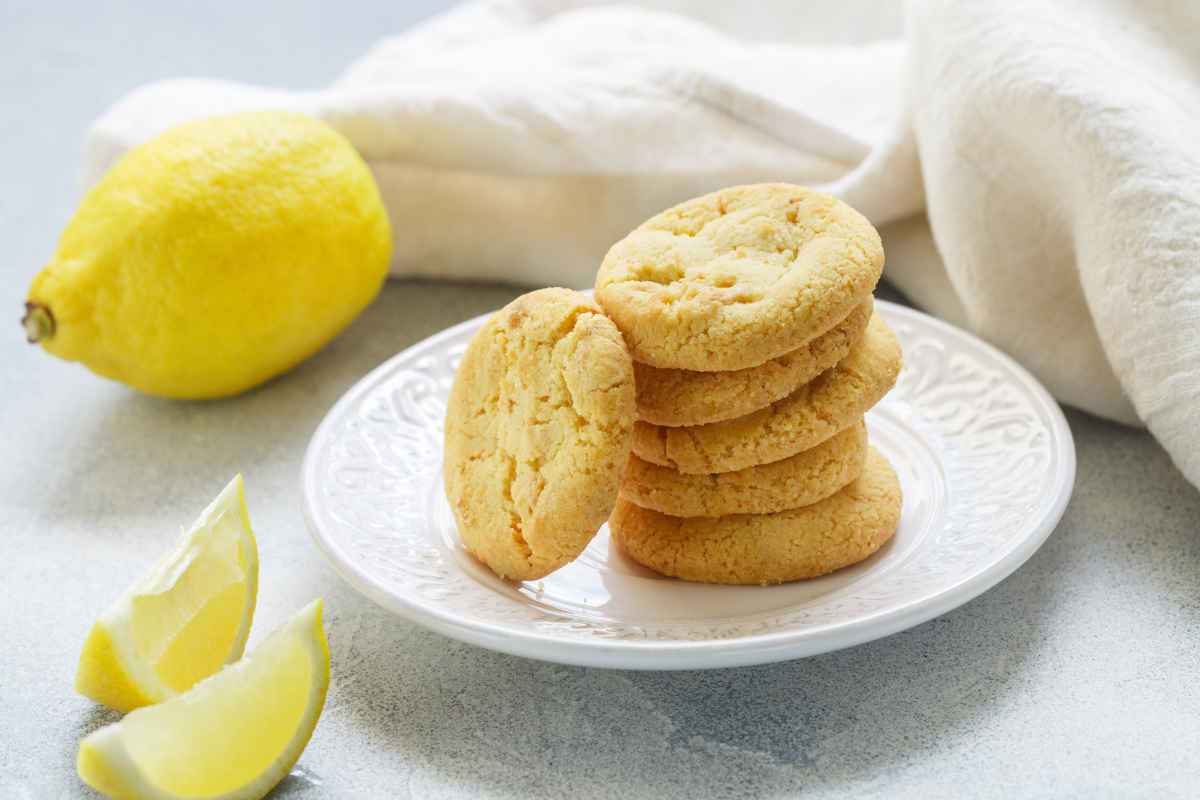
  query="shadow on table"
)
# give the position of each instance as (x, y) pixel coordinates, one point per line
(522, 727)
(145, 450)
(844, 721)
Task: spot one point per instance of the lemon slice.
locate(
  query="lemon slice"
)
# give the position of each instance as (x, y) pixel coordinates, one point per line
(187, 618)
(232, 737)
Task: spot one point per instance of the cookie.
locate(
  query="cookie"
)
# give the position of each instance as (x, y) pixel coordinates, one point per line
(537, 435)
(831, 402)
(767, 548)
(801, 480)
(675, 397)
(735, 278)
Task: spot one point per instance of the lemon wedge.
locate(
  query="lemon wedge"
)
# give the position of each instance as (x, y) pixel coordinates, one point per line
(232, 737)
(187, 618)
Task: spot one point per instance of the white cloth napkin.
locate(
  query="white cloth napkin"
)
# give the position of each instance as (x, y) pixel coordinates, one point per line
(1055, 148)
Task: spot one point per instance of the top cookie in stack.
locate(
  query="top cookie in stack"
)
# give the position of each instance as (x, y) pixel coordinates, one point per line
(748, 313)
(735, 278)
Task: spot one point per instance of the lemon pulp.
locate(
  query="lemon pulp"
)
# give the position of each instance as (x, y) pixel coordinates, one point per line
(184, 620)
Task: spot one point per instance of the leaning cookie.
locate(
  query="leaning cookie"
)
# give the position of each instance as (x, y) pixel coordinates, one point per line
(675, 397)
(801, 480)
(767, 548)
(537, 432)
(817, 410)
(735, 278)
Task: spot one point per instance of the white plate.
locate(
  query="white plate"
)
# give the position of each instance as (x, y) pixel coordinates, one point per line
(984, 456)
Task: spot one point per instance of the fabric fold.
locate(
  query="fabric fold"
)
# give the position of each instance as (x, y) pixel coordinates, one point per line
(1053, 148)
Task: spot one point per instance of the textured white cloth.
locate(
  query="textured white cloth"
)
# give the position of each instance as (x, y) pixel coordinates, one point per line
(1054, 146)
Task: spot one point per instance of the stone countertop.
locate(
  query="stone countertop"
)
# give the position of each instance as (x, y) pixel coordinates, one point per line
(1077, 676)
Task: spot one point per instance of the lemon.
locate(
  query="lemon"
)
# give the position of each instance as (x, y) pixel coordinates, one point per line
(215, 256)
(184, 620)
(234, 735)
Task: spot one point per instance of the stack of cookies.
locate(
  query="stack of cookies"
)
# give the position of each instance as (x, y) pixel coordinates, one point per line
(709, 403)
(748, 313)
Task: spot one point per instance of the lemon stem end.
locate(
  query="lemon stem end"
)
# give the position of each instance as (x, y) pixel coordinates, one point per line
(38, 323)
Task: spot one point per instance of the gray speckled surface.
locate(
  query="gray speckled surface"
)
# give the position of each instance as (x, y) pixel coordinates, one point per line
(1077, 676)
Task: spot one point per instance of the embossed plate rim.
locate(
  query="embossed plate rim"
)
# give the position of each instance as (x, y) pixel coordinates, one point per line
(791, 642)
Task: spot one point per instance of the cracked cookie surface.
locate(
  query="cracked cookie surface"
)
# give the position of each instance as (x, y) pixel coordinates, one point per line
(831, 402)
(675, 397)
(800, 480)
(767, 548)
(537, 432)
(738, 277)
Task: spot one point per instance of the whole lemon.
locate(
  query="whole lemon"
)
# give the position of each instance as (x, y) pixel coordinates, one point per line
(215, 256)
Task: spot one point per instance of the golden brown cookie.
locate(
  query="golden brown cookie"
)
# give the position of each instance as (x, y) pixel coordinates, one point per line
(803, 419)
(537, 432)
(675, 397)
(767, 548)
(738, 277)
(801, 480)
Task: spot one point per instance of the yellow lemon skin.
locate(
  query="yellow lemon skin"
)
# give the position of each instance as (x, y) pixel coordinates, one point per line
(215, 257)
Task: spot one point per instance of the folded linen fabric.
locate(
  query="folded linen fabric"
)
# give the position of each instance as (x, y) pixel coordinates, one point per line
(1053, 148)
